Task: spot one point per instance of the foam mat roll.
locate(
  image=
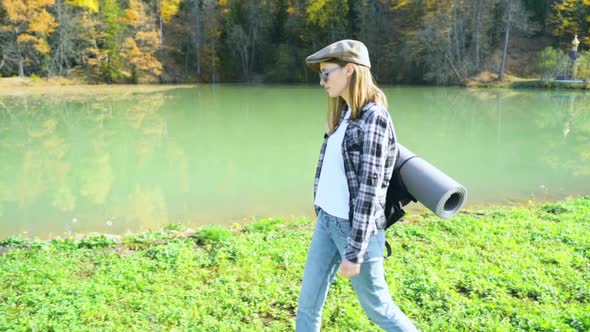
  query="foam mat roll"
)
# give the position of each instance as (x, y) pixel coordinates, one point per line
(430, 186)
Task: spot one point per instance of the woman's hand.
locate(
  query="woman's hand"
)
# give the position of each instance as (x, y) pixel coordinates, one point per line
(349, 269)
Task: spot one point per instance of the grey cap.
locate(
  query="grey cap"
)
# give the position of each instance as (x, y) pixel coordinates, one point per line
(344, 50)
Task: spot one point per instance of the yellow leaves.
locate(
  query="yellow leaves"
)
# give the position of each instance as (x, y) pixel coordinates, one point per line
(148, 39)
(133, 14)
(43, 23)
(398, 5)
(91, 5)
(139, 52)
(20, 11)
(325, 12)
(24, 38)
(40, 3)
(16, 10)
(130, 49)
(42, 46)
(169, 8)
(38, 21)
(586, 2)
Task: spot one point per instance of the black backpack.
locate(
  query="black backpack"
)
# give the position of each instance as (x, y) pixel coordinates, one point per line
(396, 198)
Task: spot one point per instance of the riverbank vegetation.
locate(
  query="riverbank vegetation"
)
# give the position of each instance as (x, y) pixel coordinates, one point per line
(411, 42)
(503, 268)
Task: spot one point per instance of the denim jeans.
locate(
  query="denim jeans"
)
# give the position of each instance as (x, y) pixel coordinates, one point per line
(323, 261)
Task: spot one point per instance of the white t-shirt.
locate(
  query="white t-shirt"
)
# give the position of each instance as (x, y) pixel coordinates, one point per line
(332, 193)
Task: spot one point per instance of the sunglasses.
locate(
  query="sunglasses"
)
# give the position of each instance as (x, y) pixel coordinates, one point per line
(324, 74)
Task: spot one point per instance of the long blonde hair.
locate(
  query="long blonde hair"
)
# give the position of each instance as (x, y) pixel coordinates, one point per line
(362, 90)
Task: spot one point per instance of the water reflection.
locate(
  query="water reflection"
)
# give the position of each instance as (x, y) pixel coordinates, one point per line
(216, 154)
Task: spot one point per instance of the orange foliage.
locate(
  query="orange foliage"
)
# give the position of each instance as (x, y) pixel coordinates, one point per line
(31, 22)
(133, 14)
(139, 52)
(42, 22)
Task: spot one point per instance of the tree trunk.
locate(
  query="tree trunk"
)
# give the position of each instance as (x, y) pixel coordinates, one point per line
(476, 33)
(60, 46)
(252, 50)
(456, 34)
(213, 59)
(21, 70)
(506, 37)
(161, 34)
(198, 40)
(159, 22)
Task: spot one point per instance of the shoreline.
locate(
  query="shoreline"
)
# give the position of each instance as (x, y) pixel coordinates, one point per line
(415, 213)
(15, 86)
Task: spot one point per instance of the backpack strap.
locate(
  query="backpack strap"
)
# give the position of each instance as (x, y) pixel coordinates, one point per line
(389, 251)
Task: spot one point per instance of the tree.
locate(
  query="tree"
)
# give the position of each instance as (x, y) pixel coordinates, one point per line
(165, 9)
(515, 16)
(139, 52)
(326, 20)
(139, 49)
(548, 62)
(247, 26)
(65, 40)
(584, 66)
(27, 24)
(569, 18)
(87, 32)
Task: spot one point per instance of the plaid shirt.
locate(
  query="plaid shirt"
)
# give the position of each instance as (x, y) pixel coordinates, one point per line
(369, 150)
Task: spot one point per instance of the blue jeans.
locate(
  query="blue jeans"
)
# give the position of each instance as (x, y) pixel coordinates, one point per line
(323, 261)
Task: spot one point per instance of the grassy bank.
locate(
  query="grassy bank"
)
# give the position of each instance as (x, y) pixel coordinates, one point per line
(538, 84)
(503, 269)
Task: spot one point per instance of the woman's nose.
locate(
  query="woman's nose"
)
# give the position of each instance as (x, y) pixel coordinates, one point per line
(322, 83)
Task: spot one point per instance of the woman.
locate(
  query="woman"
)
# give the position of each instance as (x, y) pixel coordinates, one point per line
(355, 165)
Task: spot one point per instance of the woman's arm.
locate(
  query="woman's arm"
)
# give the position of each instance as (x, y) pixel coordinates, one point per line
(376, 140)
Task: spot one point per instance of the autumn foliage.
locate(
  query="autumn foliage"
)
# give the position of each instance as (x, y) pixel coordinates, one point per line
(410, 41)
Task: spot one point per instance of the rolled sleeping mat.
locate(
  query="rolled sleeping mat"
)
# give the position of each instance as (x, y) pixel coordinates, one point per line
(430, 186)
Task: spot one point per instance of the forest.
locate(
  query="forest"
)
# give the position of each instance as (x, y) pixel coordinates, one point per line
(437, 42)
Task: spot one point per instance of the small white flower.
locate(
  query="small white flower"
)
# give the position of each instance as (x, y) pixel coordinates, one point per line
(74, 220)
(109, 223)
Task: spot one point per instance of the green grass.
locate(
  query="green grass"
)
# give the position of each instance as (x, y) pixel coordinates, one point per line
(508, 269)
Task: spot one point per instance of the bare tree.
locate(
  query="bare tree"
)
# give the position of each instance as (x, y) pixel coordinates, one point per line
(515, 16)
(65, 40)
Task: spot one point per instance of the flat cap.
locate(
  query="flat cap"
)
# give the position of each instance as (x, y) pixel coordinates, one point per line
(347, 50)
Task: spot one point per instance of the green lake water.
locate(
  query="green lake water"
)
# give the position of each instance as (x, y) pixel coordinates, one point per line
(221, 154)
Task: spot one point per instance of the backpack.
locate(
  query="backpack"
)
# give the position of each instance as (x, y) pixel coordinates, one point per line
(396, 198)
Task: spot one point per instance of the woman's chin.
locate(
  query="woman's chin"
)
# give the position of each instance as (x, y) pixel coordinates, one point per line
(332, 94)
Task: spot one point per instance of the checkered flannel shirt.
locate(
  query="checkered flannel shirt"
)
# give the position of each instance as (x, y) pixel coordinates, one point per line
(369, 151)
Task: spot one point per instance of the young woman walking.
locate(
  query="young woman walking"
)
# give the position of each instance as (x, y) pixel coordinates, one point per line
(355, 165)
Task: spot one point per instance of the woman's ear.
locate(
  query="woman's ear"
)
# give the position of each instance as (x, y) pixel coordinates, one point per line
(349, 69)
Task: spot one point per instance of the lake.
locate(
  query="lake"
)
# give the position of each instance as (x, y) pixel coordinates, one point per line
(129, 161)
